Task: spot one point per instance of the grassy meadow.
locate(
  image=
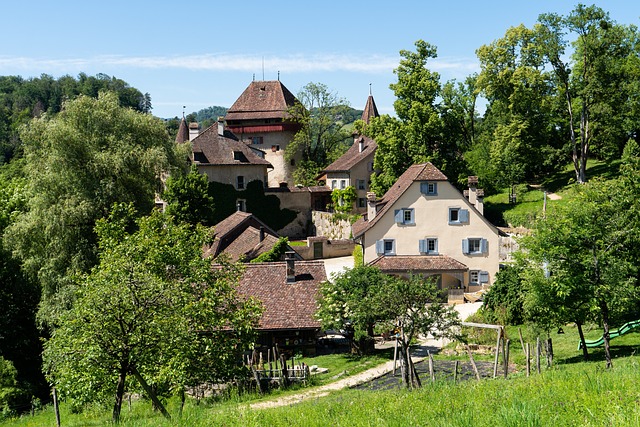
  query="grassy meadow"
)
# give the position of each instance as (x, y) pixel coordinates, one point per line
(571, 393)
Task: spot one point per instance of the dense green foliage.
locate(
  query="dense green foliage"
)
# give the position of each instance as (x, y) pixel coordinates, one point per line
(343, 200)
(322, 137)
(423, 129)
(78, 163)
(276, 253)
(265, 207)
(188, 199)
(503, 303)
(22, 99)
(154, 308)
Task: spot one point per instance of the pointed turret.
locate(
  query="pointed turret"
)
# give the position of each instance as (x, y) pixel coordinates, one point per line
(183, 132)
(370, 110)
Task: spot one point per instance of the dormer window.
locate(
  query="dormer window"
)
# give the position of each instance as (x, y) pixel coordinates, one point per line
(429, 188)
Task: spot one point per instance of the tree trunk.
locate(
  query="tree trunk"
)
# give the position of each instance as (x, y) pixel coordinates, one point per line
(150, 392)
(605, 324)
(585, 352)
(117, 406)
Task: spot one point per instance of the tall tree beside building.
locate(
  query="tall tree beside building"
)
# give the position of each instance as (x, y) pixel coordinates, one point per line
(322, 138)
(92, 154)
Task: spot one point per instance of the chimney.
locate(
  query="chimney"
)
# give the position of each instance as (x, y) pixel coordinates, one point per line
(371, 206)
(261, 234)
(360, 145)
(480, 200)
(473, 187)
(194, 130)
(291, 266)
(221, 126)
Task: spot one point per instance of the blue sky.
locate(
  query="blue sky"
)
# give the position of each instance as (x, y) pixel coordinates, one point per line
(203, 53)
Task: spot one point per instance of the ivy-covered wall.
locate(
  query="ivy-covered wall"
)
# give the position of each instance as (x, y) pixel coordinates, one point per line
(266, 208)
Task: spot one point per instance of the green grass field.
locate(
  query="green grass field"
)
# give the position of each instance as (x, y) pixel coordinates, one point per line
(571, 393)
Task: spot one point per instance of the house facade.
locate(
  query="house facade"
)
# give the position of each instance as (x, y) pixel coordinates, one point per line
(260, 115)
(355, 166)
(220, 155)
(425, 225)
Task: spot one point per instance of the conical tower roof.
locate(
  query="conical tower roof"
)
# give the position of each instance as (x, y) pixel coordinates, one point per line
(370, 110)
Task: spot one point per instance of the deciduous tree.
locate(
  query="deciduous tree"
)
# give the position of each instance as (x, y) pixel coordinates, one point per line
(154, 309)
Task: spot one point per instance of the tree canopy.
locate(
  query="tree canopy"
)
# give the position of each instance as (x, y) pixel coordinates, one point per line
(80, 162)
(153, 308)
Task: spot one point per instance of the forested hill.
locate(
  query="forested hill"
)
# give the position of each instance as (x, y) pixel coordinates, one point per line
(22, 99)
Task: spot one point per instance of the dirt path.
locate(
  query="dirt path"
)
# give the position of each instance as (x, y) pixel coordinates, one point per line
(418, 354)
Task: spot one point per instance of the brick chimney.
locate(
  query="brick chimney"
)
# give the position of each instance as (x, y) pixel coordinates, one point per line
(371, 206)
(360, 145)
(291, 266)
(261, 234)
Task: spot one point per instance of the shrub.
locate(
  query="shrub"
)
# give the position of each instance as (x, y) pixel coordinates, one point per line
(503, 303)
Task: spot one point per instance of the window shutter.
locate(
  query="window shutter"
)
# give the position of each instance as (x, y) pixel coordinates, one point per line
(398, 216)
(422, 246)
(436, 246)
(463, 215)
(483, 246)
(413, 216)
(465, 246)
(484, 277)
(424, 187)
(379, 247)
(435, 188)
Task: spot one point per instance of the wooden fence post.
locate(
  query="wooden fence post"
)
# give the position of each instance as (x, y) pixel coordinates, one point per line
(495, 363)
(538, 351)
(431, 371)
(505, 355)
(455, 372)
(473, 363)
(528, 356)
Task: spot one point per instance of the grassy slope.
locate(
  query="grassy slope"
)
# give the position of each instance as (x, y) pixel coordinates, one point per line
(572, 393)
(530, 198)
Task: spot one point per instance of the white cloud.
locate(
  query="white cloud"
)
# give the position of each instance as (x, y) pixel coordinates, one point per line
(300, 63)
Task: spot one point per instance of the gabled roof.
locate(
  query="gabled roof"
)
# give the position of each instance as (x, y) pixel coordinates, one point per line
(353, 156)
(286, 305)
(405, 263)
(238, 235)
(370, 110)
(183, 132)
(210, 148)
(421, 172)
(262, 100)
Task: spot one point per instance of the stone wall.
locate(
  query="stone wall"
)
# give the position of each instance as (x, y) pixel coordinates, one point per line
(330, 248)
(330, 228)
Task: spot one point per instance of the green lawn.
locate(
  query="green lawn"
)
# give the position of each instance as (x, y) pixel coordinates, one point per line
(571, 393)
(530, 198)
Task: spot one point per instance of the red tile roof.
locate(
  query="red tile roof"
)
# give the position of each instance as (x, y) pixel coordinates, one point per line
(262, 100)
(209, 148)
(405, 263)
(353, 156)
(421, 172)
(238, 235)
(286, 305)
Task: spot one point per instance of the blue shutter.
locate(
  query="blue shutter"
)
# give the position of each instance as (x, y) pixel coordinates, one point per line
(379, 247)
(398, 216)
(424, 187)
(465, 246)
(435, 246)
(413, 217)
(463, 215)
(435, 188)
(422, 246)
(483, 246)
(483, 277)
